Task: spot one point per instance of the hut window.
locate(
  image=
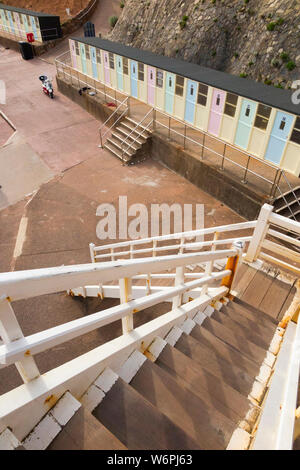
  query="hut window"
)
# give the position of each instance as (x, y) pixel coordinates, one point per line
(218, 100)
(202, 94)
(21, 18)
(295, 137)
(179, 85)
(98, 55)
(159, 79)
(87, 52)
(36, 21)
(125, 66)
(248, 109)
(5, 14)
(282, 124)
(192, 90)
(111, 61)
(262, 116)
(28, 19)
(151, 75)
(141, 71)
(170, 82)
(230, 104)
(77, 48)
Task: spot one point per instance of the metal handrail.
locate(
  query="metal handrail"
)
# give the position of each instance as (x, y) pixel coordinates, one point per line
(114, 123)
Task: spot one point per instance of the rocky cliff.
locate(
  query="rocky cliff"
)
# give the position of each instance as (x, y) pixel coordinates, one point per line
(259, 39)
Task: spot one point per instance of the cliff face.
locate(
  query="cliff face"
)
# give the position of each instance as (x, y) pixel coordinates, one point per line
(259, 39)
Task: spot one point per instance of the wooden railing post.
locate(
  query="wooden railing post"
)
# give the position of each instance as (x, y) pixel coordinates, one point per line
(259, 233)
(92, 252)
(179, 279)
(10, 331)
(125, 296)
(210, 265)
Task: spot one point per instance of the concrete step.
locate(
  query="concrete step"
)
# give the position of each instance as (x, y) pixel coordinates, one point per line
(236, 329)
(293, 207)
(116, 143)
(85, 432)
(234, 313)
(125, 132)
(281, 202)
(133, 131)
(222, 338)
(116, 152)
(137, 423)
(203, 383)
(212, 361)
(253, 313)
(140, 126)
(120, 137)
(207, 426)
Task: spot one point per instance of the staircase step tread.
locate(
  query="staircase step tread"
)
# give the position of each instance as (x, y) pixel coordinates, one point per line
(117, 145)
(225, 350)
(203, 383)
(232, 338)
(139, 424)
(251, 334)
(120, 137)
(124, 132)
(236, 315)
(209, 428)
(137, 124)
(213, 362)
(275, 298)
(85, 432)
(115, 152)
(257, 289)
(128, 126)
(252, 312)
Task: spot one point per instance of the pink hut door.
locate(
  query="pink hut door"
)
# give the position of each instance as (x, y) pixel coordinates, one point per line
(73, 53)
(106, 68)
(151, 86)
(216, 111)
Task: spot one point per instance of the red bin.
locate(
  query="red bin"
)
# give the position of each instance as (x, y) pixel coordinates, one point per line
(30, 37)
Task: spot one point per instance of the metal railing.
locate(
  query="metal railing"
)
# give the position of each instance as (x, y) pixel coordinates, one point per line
(139, 130)
(115, 117)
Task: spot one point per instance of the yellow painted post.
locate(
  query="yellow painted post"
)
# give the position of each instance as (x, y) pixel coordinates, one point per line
(232, 265)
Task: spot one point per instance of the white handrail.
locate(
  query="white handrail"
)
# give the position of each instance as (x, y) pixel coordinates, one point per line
(108, 119)
(39, 342)
(26, 284)
(173, 236)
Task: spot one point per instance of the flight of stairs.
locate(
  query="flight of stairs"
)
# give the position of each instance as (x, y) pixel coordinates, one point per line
(200, 387)
(127, 127)
(287, 203)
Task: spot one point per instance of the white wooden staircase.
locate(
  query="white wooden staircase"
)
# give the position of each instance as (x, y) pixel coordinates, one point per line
(202, 375)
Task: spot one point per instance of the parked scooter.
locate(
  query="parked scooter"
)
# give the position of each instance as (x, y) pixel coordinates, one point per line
(47, 86)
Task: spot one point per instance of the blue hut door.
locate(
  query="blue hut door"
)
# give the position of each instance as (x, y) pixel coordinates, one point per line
(134, 78)
(94, 62)
(247, 115)
(83, 58)
(12, 29)
(190, 101)
(33, 25)
(279, 136)
(119, 73)
(170, 88)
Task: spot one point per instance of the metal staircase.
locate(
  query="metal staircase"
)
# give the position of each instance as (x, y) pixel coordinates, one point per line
(195, 374)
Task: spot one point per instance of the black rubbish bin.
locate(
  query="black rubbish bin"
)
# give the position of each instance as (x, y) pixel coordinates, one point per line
(89, 30)
(26, 50)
